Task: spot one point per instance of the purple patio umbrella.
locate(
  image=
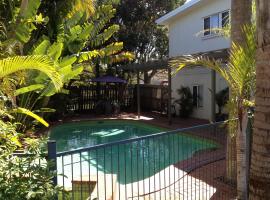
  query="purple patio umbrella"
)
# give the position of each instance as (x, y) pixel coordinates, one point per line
(108, 79)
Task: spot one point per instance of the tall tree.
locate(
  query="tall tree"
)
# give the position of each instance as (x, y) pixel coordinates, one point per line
(260, 157)
(139, 31)
(241, 13)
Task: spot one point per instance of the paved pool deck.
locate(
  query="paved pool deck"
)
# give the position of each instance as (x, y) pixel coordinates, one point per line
(147, 117)
(171, 183)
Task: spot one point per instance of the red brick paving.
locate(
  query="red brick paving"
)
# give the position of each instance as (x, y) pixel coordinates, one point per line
(210, 174)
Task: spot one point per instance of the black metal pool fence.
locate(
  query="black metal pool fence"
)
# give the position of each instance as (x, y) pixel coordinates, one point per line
(187, 163)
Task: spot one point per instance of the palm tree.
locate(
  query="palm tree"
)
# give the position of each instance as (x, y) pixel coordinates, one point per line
(240, 76)
(13, 65)
(241, 14)
(260, 156)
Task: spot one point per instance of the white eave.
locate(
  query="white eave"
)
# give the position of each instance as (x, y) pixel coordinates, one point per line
(166, 18)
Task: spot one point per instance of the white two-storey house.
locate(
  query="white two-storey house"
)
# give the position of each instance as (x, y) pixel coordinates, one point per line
(193, 30)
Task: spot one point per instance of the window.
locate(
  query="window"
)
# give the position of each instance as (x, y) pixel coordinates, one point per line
(207, 26)
(197, 93)
(225, 19)
(213, 22)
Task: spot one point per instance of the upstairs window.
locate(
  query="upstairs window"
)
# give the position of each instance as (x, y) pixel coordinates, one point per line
(207, 26)
(213, 22)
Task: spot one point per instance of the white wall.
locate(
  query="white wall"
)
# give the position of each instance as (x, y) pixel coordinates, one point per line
(197, 76)
(184, 30)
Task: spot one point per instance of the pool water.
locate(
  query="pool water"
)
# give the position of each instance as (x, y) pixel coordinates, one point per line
(131, 162)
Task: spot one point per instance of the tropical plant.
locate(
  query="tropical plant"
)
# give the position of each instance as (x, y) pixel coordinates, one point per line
(241, 15)
(27, 176)
(79, 43)
(13, 67)
(185, 102)
(38, 75)
(222, 98)
(8, 83)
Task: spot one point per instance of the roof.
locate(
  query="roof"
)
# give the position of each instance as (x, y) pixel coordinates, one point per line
(221, 54)
(187, 6)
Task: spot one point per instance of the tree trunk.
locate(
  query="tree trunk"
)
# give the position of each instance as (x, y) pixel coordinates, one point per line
(231, 159)
(260, 154)
(23, 7)
(241, 12)
(241, 157)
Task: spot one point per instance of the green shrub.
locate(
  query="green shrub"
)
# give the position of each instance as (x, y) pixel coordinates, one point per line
(222, 97)
(185, 102)
(28, 177)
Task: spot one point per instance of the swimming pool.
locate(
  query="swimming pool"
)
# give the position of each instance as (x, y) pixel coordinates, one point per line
(131, 162)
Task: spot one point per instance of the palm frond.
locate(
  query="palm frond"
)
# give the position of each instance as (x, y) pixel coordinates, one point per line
(119, 57)
(192, 61)
(41, 63)
(242, 64)
(104, 36)
(29, 88)
(112, 52)
(87, 6)
(30, 114)
(67, 73)
(87, 55)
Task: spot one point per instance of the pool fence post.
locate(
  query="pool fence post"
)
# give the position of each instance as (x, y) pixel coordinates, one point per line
(213, 96)
(169, 95)
(249, 132)
(138, 96)
(52, 159)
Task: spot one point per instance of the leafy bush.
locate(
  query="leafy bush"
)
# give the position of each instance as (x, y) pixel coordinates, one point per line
(222, 97)
(185, 102)
(27, 177)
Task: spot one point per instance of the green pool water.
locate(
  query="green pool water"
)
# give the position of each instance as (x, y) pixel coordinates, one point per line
(131, 162)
